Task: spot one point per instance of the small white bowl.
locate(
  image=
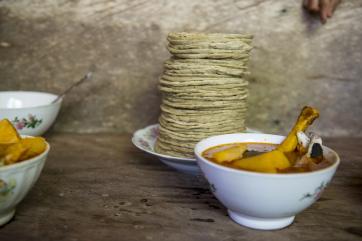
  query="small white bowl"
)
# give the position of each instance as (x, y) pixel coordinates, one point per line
(262, 200)
(30, 112)
(15, 182)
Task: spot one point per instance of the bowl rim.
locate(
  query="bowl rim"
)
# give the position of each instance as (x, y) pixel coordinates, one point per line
(30, 92)
(28, 161)
(200, 158)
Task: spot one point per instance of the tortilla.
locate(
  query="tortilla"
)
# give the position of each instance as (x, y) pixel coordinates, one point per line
(204, 91)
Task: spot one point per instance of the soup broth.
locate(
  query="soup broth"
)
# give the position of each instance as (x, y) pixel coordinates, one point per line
(254, 149)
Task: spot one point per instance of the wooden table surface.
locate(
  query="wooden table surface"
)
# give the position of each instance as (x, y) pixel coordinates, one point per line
(100, 187)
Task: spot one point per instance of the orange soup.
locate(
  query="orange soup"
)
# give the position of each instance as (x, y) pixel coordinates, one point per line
(228, 154)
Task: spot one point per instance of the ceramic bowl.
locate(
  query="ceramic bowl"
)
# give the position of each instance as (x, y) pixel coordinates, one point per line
(261, 200)
(15, 182)
(30, 112)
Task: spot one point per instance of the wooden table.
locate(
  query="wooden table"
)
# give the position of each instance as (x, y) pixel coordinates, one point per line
(100, 187)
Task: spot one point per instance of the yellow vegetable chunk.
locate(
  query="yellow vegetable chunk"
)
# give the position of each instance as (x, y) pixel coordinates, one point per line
(230, 154)
(34, 146)
(8, 134)
(13, 148)
(2, 150)
(268, 162)
(13, 153)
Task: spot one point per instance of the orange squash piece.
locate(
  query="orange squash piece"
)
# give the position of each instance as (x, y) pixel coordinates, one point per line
(230, 154)
(8, 134)
(13, 153)
(13, 148)
(33, 146)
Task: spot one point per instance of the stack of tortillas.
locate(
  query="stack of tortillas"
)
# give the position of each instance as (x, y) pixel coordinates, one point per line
(203, 90)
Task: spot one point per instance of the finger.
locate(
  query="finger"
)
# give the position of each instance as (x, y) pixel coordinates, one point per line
(323, 10)
(331, 5)
(334, 5)
(313, 5)
(329, 10)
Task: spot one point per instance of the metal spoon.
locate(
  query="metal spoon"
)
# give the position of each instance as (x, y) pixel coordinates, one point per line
(87, 76)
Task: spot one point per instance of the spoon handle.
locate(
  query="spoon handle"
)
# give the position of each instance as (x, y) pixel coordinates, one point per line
(85, 77)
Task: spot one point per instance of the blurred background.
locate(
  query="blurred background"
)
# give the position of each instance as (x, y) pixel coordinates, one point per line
(46, 45)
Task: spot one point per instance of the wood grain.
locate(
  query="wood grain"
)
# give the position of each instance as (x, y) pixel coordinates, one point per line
(100, 187)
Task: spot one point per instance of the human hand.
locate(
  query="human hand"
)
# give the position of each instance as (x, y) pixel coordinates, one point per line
(324, 8)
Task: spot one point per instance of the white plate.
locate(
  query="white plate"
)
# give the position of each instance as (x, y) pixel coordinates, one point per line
(145, 139)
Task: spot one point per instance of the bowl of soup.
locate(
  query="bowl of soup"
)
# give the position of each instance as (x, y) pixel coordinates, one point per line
(262, 200)
(31, 113)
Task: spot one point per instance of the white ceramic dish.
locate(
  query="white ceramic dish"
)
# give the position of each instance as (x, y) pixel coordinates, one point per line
(145, 139)
(262, 200)
(15, 182)
(30, 112)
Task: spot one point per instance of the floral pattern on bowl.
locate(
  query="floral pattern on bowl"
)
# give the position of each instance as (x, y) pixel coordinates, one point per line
(149, 137)
(6, 189)
(31, 122)
(316, 193)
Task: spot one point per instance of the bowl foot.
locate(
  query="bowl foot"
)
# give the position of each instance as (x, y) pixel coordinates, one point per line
(6, 217)
(190, 168)
(260, 223)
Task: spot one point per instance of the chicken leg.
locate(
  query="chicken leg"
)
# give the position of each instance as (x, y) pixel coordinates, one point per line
(277, 159)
